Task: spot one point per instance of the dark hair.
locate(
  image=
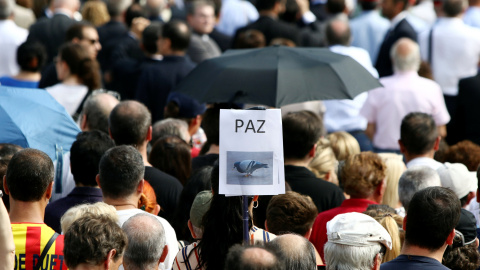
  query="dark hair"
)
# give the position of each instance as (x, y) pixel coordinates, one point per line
(31, 56)
(291, 212)
(433, 213)
(199, 181)
(7, 150)
(150, 36)
(90, 238)
(301, 131)
(418, 133)
(80, 64)
(249, 39)
(129, 122)
(453, 8)
(76, 30)
(462, 257)
(178, 33)
(85, 155)
(134, 11)
(29, 173)
(192, 6)
(335, 37)
(266, 4)
(405, 3)
(171, 155)
(335, 6)
(222, 225)
(121, 170)
(465, 152)
(368, 5)
(211, 125)
(241, 258)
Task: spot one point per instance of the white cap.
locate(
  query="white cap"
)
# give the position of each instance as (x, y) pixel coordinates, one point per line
(357, 229)
(457, 177)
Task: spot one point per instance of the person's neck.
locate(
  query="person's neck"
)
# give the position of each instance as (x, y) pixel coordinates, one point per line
(82, 185)
(297, 162)
(23, 212)
(269, 13)
(71, 80)
(418, 251)
(409, 157)
(143, 151)
(28, 76)
(214, 149)
(129, 202)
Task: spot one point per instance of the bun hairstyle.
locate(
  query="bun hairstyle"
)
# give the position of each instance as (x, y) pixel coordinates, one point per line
(80, 64)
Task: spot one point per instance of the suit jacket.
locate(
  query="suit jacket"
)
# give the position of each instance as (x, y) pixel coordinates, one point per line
(384, 64)
(51, 33)
(201, 49)
(223, 41)
(156, 82)
(109, 35)
(467, 122)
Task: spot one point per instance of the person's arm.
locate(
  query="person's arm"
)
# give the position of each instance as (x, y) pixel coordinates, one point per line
(370, 131)
(7, 246)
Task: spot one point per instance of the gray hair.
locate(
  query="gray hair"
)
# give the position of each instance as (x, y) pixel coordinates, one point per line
(6, 8)
(146, 241)
(405, 54)
(97, 109)
(170, 126)
(117, 7)
(296, 251)
(415, 179)
(345, 257)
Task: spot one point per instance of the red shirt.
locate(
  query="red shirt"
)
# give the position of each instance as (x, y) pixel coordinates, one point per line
(319, 230)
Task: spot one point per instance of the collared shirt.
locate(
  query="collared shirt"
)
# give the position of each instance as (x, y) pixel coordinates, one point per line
(472, 17)
(424, 11)
(424, 161)
(455, 52)
(410, 262)
(11, 36)
(401, 94)
(235, 14)
(368, 32)
(343, 115)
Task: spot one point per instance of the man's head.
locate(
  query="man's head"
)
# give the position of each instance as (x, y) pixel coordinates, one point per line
(116, 8)
(146, 243)
(31, 56)
(121, 172)
(86, 35)
(6, 9)
(169, 127)
(175, 39)
(355, 241)
(391, 8)
(29, 176)
(454, 8)
(363, 176)
(252, 258)
(415, 179)
(338, 33)
(277, 6)
(94, 240)
(85, 155)
(432, 216)
(96, 110)
(295, 250)
(150, 37)
(418, 134)
(70, 6)
(301, 131)
(291, 213)
(130, 123)
(185, 108)
(201, 16)
(405, 54)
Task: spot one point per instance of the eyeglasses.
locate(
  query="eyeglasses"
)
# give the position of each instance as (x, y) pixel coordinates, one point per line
(114, 94)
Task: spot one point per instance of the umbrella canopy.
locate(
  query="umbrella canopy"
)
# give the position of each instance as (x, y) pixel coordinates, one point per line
(33, 118)
(277, 76)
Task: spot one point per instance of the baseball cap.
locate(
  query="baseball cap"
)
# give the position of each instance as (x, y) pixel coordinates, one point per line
(457, 177)
(200, 206)
(188, 107)
(357, 229)
(467, 227)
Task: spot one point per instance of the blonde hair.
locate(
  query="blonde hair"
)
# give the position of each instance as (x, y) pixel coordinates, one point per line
(343, 144)
(324, 161)
(95, 12)
(390, 222)
(395, 168)
(98, 209)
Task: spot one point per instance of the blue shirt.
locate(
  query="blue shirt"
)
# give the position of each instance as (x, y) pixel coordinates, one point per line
(9, 81)
(409, 262)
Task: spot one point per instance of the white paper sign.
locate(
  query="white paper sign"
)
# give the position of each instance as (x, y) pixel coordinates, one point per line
(251, 152)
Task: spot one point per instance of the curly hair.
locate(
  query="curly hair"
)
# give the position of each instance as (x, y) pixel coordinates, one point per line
(465, 152)
(362, 173)
(463, 257)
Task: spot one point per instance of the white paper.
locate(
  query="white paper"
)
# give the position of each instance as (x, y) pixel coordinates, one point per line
(251, 152)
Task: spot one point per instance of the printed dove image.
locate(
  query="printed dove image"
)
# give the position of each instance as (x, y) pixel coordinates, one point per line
(248, 166)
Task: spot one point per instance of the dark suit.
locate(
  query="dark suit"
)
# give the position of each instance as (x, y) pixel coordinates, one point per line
(467, 122)
(49, 76)
(223, 41)
(51, 33)
(109, 34)
(384, 64)
(156, 82)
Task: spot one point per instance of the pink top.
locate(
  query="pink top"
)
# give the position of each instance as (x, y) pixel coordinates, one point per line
(403, 93)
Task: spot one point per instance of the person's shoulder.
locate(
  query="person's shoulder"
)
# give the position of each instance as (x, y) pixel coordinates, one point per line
(152, 173)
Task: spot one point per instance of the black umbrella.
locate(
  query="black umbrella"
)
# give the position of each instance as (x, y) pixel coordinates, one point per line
(277, 76)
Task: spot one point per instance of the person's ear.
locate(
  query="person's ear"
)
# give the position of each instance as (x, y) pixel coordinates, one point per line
(5, 188)
(312, 151)
(49, 192)
(149, 134)
(436, 145)
(376, 262)
(97, 179)
(266, 226)
(83, 122)
(110, 133)
(404, 226)
(140, 186)
(450, 237)
(309, 232)
(190, 228)
(109, 259)
(164, 254)
(156, 209)
(402, 147)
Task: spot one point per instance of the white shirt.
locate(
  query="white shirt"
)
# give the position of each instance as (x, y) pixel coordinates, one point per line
(235, 14)
(171, 237)
(11, 36)
(472, 17)
(424, 161)
(69, 96)
(456, 52)
(343, 115)
(424, 11)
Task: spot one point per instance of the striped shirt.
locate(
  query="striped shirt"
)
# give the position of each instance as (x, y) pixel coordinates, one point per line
(30, 239)
(185, 262)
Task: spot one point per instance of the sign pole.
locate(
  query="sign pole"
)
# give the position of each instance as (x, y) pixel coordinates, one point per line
(246, 217)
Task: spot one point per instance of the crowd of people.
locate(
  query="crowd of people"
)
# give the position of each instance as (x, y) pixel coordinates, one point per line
(388, 180)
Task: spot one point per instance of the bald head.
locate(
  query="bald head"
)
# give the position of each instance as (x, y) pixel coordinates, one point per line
(297, 251)
(252, 258)
(129, 123)
(96, 111)
(405, 55)
(338, 33)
